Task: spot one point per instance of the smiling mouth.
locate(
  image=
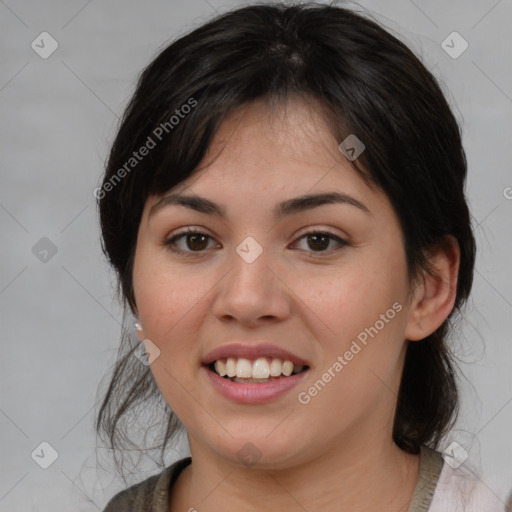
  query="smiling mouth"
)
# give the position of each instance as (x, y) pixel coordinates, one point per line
(260, 371)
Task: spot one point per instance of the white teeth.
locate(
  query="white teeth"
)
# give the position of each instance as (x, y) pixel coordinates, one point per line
(220, 368)
(287, 368)
(242, 368)
(231, 367)
(260, 369)
(275, 367)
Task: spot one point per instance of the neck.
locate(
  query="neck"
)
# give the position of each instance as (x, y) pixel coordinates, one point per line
(370, 476)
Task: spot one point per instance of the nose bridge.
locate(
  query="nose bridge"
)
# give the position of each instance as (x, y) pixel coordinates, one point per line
(250, 289)
(250, 276)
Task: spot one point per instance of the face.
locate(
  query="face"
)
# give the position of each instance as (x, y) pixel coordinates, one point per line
(325, 282)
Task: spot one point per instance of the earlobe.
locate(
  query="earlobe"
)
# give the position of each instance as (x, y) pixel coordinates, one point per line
(138, 331)
(435, 296)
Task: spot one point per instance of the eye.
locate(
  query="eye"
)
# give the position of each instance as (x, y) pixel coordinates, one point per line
(197, 241)
(320, 240)
(194, 239)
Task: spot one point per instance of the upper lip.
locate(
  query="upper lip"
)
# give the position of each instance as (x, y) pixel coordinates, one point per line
(252, 352)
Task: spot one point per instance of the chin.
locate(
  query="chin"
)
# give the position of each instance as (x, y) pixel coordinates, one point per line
(260, 452)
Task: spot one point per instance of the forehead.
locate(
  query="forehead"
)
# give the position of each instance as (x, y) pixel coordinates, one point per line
(293, 131)
(262, 154)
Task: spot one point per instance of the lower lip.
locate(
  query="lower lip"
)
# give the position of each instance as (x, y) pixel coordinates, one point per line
(253, 393)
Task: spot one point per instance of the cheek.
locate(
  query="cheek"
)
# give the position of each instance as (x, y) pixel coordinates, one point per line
(163, 302)
(166, 299)
(166, 302)
(363, 306)
(360, 364)
(355, 294)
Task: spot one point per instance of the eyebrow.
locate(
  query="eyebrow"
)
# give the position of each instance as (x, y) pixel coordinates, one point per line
(283, 209)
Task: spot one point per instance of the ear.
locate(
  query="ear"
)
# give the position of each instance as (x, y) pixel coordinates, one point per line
(138, 327)
(139, 332)
(434, 295)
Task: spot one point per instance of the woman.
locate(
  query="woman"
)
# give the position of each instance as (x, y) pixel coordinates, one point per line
(284, 206)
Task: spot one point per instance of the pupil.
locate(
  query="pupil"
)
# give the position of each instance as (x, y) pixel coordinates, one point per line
(194, 237)
(316, 237)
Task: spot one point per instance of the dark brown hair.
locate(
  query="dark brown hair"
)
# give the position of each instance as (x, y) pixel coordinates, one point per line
(369, 84)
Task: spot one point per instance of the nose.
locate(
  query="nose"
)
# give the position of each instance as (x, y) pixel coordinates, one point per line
(252, 292)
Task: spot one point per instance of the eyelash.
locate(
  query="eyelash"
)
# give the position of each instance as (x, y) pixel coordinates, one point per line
(170, 242)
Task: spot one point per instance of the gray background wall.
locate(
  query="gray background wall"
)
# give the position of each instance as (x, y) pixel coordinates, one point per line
(60, 323)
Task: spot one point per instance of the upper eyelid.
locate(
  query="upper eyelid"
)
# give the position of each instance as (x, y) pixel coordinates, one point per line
(342, 240)
(302, 232)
